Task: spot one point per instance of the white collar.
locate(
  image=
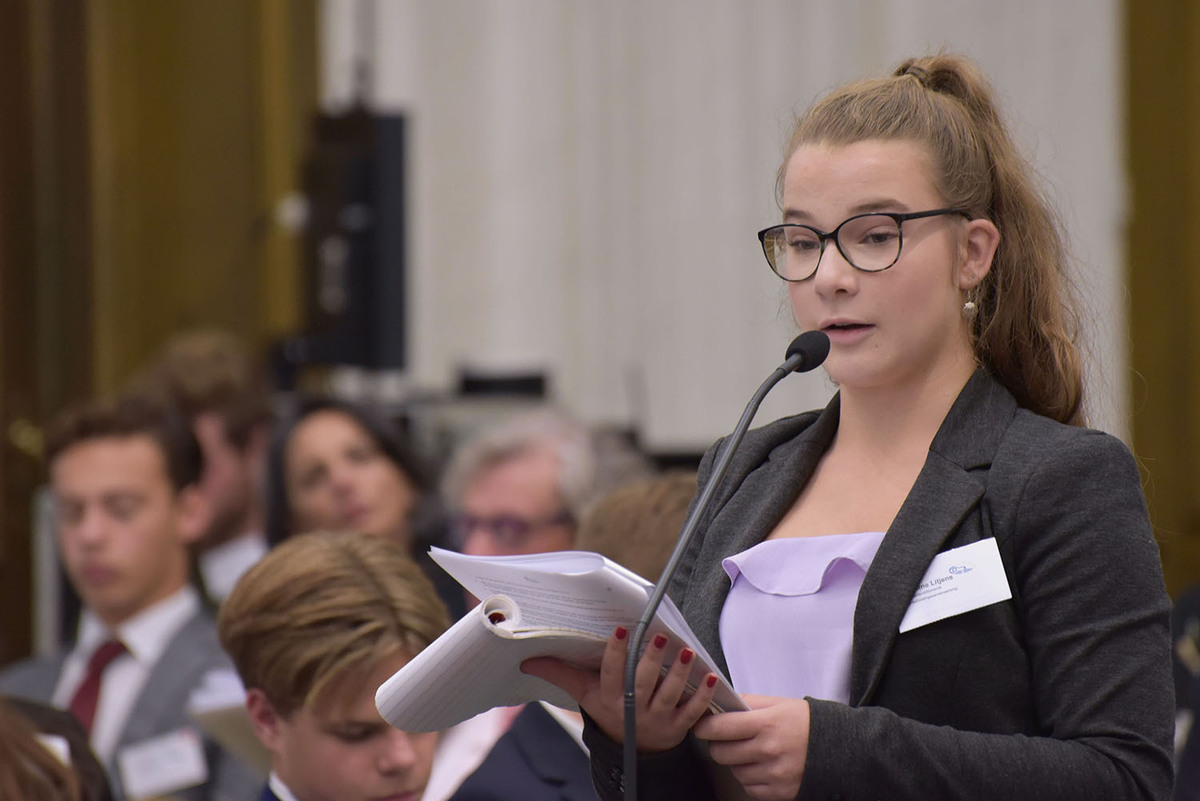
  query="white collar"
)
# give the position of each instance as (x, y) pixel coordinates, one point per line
(280, 789)
(571, 722)
(222, 565)
(147, 633)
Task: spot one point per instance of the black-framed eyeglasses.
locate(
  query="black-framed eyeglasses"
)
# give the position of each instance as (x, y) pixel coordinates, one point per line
(507, 530)
(869, 242)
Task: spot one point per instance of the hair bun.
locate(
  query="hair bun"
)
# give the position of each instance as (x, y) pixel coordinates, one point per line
(916, 71)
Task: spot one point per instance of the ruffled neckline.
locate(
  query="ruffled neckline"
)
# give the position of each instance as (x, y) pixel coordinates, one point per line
(802, 565)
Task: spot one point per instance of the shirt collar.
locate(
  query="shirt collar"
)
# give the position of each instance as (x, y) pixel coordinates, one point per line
(147, 633)
(280, 789)
(222, 565)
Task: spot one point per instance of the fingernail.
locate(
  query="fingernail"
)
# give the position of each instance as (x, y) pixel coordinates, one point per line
(685, 656)
(711, 681)
(622, 632)
(660, 641)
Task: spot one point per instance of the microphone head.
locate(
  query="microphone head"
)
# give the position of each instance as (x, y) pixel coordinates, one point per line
(812, 347)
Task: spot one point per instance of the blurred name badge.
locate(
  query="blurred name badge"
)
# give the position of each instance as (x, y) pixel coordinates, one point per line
(162, 765)
(957, 581)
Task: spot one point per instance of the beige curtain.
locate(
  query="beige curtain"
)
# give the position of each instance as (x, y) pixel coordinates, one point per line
(588, 178)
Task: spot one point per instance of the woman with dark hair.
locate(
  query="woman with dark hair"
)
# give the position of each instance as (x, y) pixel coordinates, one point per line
(337, 465)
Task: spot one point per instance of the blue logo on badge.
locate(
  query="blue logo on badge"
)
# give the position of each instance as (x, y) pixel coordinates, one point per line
(958, 570)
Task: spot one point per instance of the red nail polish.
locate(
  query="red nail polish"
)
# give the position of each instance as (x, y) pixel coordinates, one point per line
(685, 656)
(622, 632)
(711, 681)
(660, 641)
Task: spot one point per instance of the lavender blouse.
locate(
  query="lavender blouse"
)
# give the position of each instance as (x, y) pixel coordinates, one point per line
(787, 623)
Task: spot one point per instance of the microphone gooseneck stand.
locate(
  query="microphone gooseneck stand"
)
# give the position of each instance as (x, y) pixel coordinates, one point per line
(806, 352)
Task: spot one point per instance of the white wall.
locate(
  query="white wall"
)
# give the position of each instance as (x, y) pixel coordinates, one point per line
(587, 178)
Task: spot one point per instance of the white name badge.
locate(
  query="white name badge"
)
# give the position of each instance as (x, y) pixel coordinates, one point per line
(163, 764)
(957, 581)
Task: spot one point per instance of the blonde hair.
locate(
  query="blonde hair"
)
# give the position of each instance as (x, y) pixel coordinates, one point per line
(324, 607)
(1027, 324)
(636, 525)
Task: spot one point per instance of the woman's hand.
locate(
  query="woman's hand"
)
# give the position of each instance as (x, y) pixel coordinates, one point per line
(765, 747)
(665, 712)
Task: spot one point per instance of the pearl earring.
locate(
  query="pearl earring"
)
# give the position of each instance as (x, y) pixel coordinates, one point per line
(969, 307)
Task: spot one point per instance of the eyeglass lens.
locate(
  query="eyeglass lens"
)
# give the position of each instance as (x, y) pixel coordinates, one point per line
(870, 242)
(504, 528)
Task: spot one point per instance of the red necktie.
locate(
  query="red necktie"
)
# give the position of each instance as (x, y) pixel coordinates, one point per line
(83, 703)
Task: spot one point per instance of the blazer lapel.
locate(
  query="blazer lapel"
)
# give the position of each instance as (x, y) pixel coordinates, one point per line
(942, 495)
(552, 754)
(757, 494)
(42, 677)
(168, 686)
(949, 487)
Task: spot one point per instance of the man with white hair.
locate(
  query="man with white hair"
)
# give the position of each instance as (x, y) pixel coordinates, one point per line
(524, 486)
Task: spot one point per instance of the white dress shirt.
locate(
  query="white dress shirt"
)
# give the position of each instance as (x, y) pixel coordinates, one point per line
(281, 790)
(145, 635)
(221, 566)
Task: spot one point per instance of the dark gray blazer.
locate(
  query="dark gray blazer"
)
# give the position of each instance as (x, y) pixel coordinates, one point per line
(1063, 692)
(535, 760)
(160, 709)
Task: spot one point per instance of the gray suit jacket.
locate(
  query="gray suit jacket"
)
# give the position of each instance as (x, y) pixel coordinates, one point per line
(160, 709)
(1063, 692)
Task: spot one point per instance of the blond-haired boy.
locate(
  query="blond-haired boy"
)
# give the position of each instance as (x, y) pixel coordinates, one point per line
(313, 629)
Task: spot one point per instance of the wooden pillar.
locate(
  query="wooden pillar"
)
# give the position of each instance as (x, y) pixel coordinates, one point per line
(1162, 100)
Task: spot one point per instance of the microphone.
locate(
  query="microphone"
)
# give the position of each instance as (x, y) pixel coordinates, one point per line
(810, 348)
(806, 352)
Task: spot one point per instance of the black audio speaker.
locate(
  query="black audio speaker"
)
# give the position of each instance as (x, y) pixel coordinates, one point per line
(354, 244)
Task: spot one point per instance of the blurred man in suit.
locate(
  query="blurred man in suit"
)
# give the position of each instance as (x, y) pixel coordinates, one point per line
(211, 378)
(542, 757)
(522, 487)
(123, 477)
